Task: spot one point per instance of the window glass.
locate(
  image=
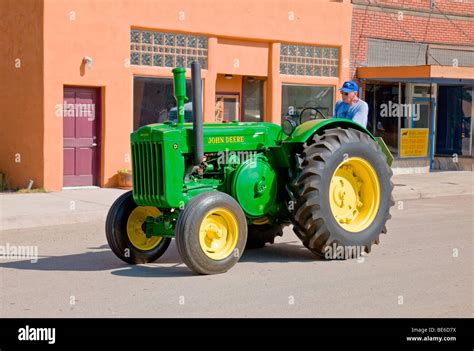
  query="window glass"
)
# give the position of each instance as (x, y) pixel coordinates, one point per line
(296, 97)
(303, 60)
(153, 101)
(453, 129)
(163, 49)
(467, 111)
(253, 99)
(383, 112)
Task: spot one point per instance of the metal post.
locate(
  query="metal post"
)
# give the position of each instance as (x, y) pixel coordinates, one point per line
(399, 117)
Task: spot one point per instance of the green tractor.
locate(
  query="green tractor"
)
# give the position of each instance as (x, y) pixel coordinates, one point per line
(220, 188)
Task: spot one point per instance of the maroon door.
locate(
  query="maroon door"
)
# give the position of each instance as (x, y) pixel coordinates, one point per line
(81, 136)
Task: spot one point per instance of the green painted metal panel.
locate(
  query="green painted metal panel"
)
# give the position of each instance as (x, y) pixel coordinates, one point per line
(179, 87)
(385, 150)
(305, 130)
(254, 186)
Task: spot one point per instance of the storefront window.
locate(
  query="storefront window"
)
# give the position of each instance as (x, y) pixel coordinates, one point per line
(253, 99)
(383, 118)
(153, 101)
(296, 97)
(453, 129)
(467, 112)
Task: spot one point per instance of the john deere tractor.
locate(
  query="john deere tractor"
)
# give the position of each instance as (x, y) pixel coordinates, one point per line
(220, 188)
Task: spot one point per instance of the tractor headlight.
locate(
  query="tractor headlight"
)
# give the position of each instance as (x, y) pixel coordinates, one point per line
(288, 126)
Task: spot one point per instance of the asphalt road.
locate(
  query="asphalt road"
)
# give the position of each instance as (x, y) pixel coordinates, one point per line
(423, 267)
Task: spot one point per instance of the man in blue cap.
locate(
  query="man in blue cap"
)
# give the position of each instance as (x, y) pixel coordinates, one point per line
(350, 106)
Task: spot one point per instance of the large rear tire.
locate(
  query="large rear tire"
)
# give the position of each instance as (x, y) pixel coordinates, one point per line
(343, 194)
(125, 235)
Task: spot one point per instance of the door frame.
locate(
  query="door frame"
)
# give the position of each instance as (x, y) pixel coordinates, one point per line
(264, 90)
(97, 179)
(432, 98)
(431, 124)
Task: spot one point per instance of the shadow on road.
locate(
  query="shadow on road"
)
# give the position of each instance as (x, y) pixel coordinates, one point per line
(87, 261)
(155, 271)
(291, 251)
(102, 259)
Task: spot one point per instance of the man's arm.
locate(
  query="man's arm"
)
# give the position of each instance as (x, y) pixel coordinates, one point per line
(361, 115)
(337, 107)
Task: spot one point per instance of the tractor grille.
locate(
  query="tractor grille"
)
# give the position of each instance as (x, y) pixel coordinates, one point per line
(147, 166)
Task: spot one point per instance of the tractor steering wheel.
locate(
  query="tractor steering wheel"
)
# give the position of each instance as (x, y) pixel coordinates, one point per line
(311, 117)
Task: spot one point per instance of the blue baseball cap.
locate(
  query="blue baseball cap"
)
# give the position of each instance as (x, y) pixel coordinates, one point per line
(349, 86)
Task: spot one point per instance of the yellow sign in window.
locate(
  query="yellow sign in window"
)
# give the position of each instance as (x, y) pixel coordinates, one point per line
(414, 142)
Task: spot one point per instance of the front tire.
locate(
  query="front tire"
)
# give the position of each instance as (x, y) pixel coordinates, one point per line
(343, 194)
(125, 236)
(211, 233)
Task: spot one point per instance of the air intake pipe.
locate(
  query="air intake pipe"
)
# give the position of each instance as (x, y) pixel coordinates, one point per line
(179, 90)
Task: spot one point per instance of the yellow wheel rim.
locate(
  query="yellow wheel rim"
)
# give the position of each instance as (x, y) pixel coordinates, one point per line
(354, 194)
(134, 228)
(218, 233)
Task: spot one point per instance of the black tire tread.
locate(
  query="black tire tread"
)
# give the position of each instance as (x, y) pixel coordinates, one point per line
(309, 224)
(112, 235)
(189, 219)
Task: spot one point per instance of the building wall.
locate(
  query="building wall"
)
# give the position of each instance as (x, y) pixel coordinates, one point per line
(233, 85)
(446, 6)
(247, 31)
(21, 93)
(412, 21)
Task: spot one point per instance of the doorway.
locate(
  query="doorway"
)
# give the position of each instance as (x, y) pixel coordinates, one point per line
(227, 107)
(453, 135)
(81, 136)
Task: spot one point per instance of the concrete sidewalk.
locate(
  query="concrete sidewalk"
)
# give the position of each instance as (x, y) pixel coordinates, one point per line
(85, 205)
(435, 184)
(64, 207)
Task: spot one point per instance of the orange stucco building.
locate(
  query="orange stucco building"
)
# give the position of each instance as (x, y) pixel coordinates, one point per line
(117, 56)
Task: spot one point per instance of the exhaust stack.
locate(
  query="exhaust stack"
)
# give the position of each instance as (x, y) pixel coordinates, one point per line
(197, 112)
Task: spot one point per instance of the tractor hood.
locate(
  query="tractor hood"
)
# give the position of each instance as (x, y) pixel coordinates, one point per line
(217, 136)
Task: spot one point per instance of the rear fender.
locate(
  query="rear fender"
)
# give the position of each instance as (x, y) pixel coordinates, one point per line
(306, 130)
